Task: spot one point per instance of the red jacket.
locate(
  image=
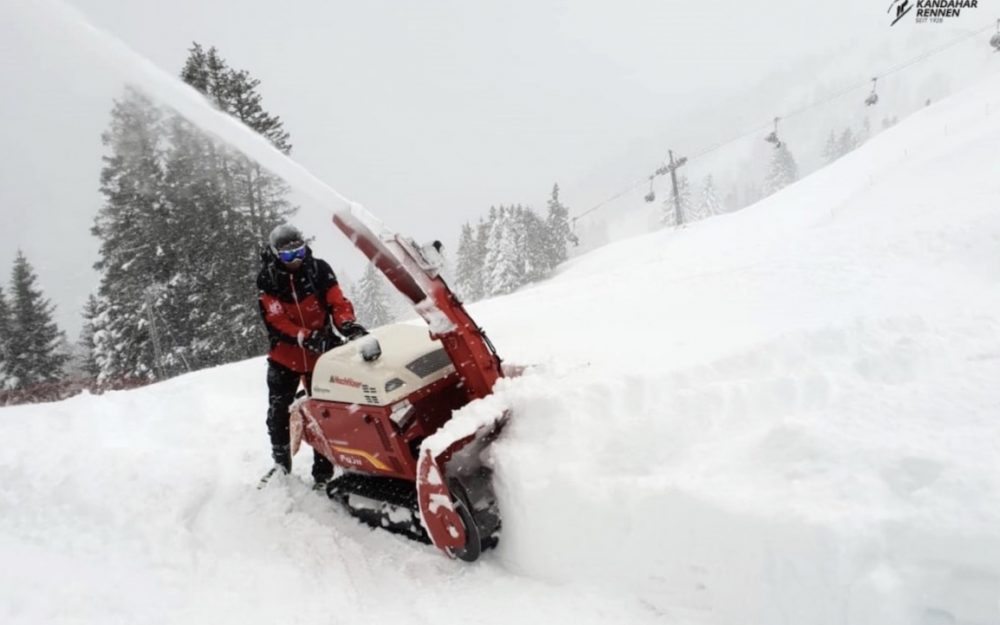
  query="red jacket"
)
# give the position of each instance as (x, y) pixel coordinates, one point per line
(293, 305)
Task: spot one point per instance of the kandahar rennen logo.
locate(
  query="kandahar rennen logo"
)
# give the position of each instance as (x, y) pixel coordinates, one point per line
(902, 7)
(935, 11)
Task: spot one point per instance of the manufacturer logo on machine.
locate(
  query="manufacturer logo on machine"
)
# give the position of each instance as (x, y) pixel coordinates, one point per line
(354, 457)
(935, 11)
(336, 379)
(354, 462)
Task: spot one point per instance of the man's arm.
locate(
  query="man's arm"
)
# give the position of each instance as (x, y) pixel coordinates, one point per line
(340, 307)
(272, 311)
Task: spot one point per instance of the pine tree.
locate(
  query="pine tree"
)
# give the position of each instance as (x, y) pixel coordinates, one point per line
(558, 230)
(503, 267)
(34, 343)
(847, 142)
(468, 273)
(534, 244)
(783, 170)
(708, 204)
(195, 244)
(181, 229)
(231, 204)
(88, 343)
(370, 300)
(866, 131)
(483, 229)
(130, 225)
(6, 325)
(831, 149)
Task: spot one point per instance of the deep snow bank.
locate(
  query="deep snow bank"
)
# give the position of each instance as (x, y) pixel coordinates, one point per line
(786, 415)
(783, 415)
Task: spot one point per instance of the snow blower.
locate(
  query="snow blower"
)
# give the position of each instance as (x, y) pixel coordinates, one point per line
(380, 405)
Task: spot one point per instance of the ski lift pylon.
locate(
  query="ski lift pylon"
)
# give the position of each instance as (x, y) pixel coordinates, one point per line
(872, 98)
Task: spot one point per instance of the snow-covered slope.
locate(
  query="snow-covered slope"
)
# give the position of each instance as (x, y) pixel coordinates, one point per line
(785, 415)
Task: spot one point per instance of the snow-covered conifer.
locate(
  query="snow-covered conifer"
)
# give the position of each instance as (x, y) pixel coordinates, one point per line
(534, 243)
(503, 268)
(130, 225)
(226, 205)
(468, 272)
(371, 302)
(831, 149)
(847, 142)
(708, 204)
(866, 131)
(181, 229)
(482, 239)
(34, 343)
(6, 324)
(88, 346)
(783, 170)
(558, 229)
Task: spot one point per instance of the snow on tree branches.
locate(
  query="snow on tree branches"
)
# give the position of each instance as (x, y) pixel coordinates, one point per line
(180, 230)
(371, 302)
(783, 170)
(32, 354)
(512, 247)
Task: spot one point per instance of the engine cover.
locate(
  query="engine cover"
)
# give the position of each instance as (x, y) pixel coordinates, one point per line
(410, 360)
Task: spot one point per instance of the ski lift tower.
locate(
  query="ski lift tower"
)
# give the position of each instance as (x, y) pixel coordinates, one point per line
(672, 168)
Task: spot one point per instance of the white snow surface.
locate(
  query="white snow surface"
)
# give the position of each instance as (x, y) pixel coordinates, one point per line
(788, 415)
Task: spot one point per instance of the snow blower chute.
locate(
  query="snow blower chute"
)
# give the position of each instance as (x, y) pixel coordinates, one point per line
(381, 420)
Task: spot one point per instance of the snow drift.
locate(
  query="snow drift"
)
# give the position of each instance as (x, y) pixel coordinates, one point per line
(784, 415)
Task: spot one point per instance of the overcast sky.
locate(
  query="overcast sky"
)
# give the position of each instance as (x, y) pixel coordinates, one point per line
(427, 112)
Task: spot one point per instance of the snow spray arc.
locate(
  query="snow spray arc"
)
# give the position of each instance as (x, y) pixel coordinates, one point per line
(63, 20)
(935, 11)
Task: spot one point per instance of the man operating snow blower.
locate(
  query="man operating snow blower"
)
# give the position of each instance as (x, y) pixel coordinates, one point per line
(303, 309)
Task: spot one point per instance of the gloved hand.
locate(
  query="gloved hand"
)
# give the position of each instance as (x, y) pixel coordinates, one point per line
(315, 341)
(352, 330)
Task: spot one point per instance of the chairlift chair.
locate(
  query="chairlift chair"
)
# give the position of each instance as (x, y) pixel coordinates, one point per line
(872, 98)
(773, 136)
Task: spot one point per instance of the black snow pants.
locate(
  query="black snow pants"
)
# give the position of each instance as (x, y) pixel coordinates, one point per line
(282, 384)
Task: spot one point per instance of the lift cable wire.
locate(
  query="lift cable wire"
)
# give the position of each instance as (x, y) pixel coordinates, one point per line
(798, 111)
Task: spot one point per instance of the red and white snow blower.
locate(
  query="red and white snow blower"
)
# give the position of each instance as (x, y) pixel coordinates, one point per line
(380, 420)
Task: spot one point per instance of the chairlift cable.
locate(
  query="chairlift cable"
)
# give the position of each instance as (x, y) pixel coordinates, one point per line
(809, 106)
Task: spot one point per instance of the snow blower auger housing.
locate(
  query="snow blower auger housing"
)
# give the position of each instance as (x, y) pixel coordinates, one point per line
(383, 421)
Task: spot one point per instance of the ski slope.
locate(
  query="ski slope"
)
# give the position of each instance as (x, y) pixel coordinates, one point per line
(784, 415)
